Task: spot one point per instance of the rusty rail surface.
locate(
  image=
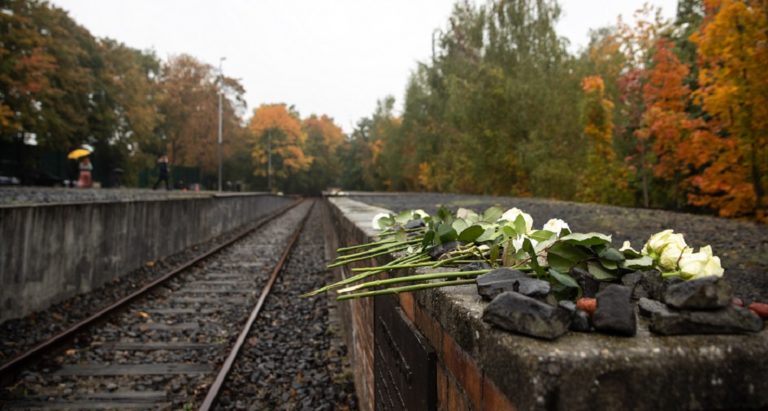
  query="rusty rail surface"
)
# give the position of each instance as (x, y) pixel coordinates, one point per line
(8, 369)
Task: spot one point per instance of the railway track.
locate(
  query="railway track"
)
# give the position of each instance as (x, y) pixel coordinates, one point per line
(169, 346)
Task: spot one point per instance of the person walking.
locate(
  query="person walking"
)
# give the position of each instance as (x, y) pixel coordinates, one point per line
(162, 170)
(85, 180)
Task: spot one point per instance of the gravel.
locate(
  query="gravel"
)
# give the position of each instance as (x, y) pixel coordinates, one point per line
(741, 245)
(292, 359)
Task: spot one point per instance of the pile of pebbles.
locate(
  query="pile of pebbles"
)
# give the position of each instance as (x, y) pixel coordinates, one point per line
(525, 305)
(21, 334)
(292, 359)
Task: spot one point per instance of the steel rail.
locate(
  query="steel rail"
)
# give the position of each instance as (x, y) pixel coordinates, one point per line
(218, 383)
(7, 369)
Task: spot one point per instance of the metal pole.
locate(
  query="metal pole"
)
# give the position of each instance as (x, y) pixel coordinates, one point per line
(269, 160)
(221, 94)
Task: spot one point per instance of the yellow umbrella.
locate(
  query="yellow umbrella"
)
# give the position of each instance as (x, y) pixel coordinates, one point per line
(78, 153)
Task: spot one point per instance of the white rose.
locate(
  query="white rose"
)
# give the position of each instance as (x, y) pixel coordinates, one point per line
(375, 222)
(556, 225)
(659, 241)
(671, 255)
(701, 264)
(465, 214)
(420, 214)
(628, 246)
(519, 240)
(511, 215)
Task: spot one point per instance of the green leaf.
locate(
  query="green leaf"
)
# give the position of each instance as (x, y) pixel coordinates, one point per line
(492, 214)
(470, 234)
(519, 223)
(446, 233)
(528, 247)
(587, 239)
(459, 225)
(611, 254)
(494, 254)
(444, 215)
(599, 272)
(570, 252)
(563, 279)
(488, 235)
(608, 264)
(429, 238)
(509, 231)
(403, 217)
(559, 263)
(643, 263)
(541, 235)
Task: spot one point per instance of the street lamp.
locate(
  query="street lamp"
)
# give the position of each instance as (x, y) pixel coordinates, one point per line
(221, 94)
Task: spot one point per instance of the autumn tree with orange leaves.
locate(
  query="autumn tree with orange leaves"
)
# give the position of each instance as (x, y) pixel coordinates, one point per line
(732, 150)
(279, 143)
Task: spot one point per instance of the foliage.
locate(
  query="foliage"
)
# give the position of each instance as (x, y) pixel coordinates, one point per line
(279, 142)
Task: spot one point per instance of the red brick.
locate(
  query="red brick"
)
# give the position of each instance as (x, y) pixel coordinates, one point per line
(495, 400)
(465, 370)
(442, 388)
(428, 326)
(406, 301)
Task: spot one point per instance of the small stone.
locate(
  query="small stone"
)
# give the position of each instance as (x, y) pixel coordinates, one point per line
(568, 305)
(703, 293)
(728, 320)
(515, 312)
(761, 309)
(441, 249)
(504, 279)
(477, 265)
(647, 307)
(737, 301)
(589, 285)
(589, 305)
(615, 313)
(414, 224)
(111, 387)
(580, 321)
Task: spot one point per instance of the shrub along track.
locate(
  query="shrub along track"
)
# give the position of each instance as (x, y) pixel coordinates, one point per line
(162, 350)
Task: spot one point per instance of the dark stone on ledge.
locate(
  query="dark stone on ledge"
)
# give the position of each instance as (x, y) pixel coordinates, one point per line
(728, 320)
(644, 284)
(414, 224)
(579, 318)
(647, 307)
(504, 279)
(589, 285)
(525, 315)
(703, 293)
(615, 312)
(477, 265)
(441, 249)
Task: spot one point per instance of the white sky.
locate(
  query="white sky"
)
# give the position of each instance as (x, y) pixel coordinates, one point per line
(334, 57)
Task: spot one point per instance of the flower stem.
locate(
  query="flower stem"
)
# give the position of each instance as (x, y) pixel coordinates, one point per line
(417, 277)
(397, 290)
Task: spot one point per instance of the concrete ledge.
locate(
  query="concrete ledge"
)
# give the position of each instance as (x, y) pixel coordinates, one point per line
(480, 367)
(53, 251)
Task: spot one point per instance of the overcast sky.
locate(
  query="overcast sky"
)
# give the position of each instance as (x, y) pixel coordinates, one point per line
(332, 57)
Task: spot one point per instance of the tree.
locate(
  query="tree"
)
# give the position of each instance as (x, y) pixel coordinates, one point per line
(323, 140)
(279, 143)
(734, 91)
(604, 180)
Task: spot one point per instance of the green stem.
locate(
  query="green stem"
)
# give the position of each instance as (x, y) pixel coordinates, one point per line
(365, 245)
(417, 277)
(397, 290)
(392, 267)
(379, 248)
(366, 257)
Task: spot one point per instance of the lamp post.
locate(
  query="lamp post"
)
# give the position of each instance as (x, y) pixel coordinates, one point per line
(221, 96)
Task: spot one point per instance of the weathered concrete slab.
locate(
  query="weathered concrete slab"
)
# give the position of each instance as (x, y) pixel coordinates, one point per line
(579, 371)
(134, 369)
(54, 251)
